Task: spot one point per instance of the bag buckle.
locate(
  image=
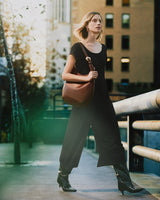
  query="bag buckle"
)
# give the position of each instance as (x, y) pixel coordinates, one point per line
(88, 59)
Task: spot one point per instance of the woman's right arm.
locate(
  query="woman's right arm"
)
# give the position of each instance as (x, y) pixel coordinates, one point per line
(68, 76)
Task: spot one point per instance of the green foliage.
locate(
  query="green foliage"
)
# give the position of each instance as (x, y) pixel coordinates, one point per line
(31, 95)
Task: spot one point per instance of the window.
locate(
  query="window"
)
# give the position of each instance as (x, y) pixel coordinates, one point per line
(125, 61)
(125, 20)
(109, 20)
(109, 41)
(109, 83)
(125, 42)
(109, 65)
(124, 82)
(109, 2)
(125, 2)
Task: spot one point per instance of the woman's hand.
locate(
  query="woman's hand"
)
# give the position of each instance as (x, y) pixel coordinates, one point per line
(68, 76)
(92, 75)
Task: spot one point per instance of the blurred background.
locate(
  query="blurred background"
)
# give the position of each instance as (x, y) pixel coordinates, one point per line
(38, 34)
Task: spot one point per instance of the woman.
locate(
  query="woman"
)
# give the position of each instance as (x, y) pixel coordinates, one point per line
(99, 113)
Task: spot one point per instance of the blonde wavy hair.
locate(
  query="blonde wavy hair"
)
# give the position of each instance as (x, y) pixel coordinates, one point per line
(80, 30)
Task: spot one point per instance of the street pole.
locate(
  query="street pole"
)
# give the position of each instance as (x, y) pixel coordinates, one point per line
(14, 98)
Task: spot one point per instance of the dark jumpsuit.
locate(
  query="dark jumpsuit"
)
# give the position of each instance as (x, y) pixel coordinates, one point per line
(99, 114)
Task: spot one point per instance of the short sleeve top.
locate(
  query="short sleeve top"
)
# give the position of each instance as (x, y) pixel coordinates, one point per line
(99, 61)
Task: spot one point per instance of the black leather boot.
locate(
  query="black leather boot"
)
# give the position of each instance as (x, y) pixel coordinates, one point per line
(63, 181)
(124, 180)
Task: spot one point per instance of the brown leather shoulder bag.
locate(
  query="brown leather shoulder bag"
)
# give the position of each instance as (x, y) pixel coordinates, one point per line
(79, 93)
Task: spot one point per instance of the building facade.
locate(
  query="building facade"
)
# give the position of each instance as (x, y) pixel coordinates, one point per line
(58, 40)
(128, 32)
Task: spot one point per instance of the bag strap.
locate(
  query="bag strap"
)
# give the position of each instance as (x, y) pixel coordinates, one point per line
(88, 59)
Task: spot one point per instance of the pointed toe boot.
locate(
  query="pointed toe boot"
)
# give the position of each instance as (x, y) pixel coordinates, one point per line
(63, 181)
(124, 180)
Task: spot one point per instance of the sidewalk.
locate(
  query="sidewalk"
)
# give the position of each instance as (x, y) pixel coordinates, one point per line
(36, 180)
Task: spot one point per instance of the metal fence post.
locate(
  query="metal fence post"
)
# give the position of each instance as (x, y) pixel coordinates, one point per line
(14, 97)
(134, 137)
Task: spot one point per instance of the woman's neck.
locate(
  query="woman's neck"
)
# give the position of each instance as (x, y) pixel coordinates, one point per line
(91, 39)
(92, 45)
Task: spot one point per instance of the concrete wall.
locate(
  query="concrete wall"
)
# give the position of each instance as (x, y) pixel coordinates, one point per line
(57, 41)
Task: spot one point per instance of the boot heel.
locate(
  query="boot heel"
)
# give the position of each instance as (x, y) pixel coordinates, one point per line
(122, 192)
(63, 182)
(121, 188)
(124, 180)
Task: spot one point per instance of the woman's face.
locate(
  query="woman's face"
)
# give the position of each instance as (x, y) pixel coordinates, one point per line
(95, 25)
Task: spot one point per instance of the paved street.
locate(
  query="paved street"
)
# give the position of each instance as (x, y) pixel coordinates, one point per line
(36, 178)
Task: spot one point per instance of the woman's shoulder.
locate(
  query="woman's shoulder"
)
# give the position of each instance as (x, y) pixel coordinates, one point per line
(76, 50)
(104, 46)
(104, 49)
(75, 45)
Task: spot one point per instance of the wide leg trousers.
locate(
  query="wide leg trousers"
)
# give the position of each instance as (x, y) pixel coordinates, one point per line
(105, 130)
